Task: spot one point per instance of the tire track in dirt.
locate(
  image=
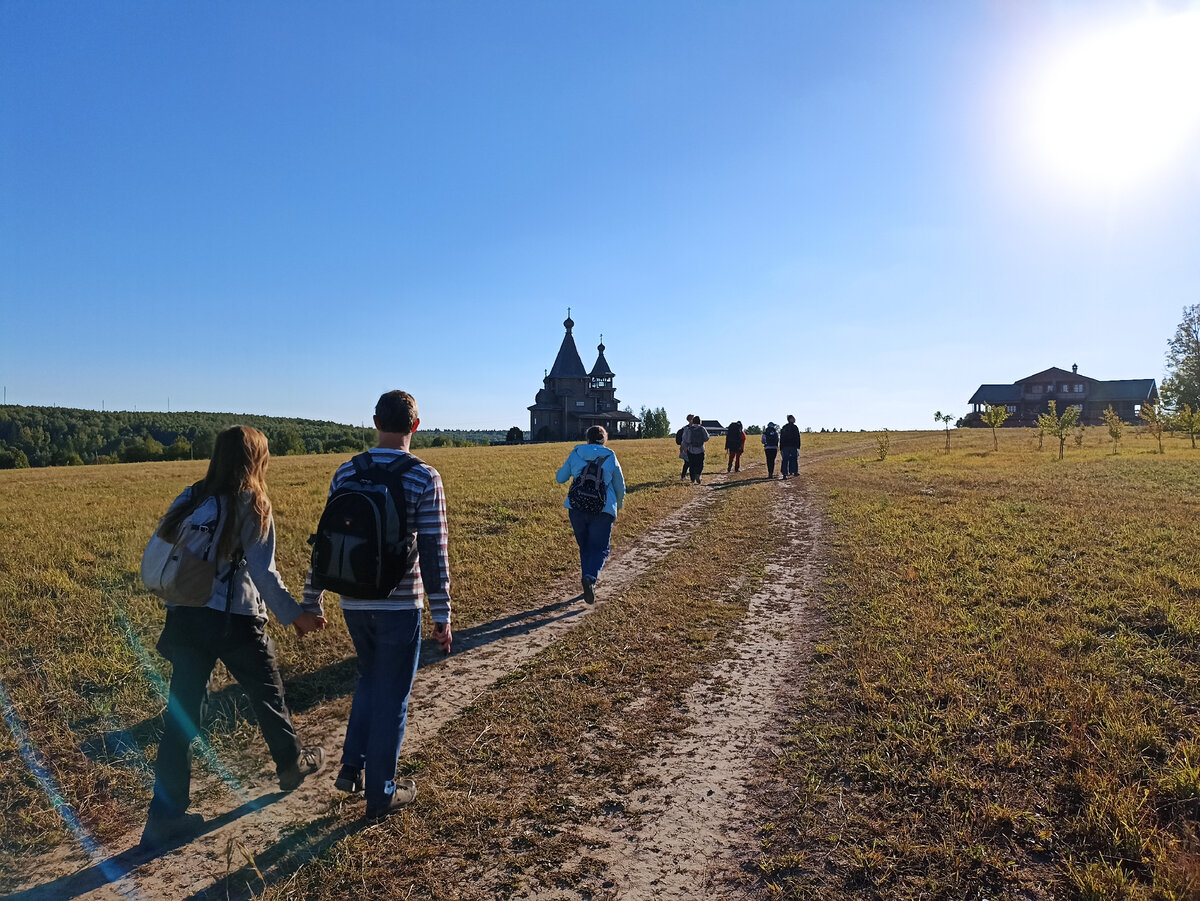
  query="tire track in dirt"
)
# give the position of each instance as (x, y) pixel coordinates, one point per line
(692, 835)
(247, 824)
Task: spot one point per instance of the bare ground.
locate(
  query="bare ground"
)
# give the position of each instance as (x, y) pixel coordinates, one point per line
(687, 838)
(692, 835)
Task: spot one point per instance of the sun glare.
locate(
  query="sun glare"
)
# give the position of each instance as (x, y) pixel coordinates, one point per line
(1119, 106)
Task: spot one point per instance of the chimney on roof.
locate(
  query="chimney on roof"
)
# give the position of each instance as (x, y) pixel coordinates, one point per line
(1075, 368)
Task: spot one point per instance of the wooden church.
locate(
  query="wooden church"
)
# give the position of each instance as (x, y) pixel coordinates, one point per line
(572, 399)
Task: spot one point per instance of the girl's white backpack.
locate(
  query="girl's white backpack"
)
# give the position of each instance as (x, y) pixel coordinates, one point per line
(182, 571)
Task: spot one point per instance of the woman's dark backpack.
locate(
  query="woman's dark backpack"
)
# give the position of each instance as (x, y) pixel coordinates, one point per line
(588, 492)
(362, 547)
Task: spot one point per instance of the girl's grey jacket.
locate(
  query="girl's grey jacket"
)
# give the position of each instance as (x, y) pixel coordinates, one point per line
(257, 585)
(613, 477)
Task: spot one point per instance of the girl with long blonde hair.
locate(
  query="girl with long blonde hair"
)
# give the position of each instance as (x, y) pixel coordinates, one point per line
(229, 628)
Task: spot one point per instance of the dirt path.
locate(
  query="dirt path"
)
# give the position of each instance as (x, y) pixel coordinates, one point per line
(252, 822)
(690, 837)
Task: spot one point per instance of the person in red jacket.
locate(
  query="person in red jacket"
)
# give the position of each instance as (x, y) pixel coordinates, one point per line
(735, 443)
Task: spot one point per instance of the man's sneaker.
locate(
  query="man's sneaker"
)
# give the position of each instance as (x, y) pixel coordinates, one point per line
(310, 761)
(162, 831)
(350, 780)
(405, 793)
(589, 591)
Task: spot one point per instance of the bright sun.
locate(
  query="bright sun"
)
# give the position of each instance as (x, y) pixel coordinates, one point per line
(1119, 106)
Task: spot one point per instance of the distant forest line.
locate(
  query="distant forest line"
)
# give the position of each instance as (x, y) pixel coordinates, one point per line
(61, 436)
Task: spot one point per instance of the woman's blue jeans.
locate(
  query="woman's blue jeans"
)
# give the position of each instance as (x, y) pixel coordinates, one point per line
(593, 532)
(388, 643)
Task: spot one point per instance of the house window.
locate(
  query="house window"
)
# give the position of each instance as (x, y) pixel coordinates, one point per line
(1037, 389)
(1050, 388)
(1011, 408)
(580, 403)
(1078, 389)
(1078, 407)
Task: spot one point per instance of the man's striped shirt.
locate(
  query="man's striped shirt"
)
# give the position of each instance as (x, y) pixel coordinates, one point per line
(426, 516)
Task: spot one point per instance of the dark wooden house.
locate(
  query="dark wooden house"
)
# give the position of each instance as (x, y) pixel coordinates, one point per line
(572, 399)
(1026, 398)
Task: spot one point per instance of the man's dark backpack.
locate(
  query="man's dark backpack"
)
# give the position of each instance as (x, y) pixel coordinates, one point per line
(588, 492)
(362, 547)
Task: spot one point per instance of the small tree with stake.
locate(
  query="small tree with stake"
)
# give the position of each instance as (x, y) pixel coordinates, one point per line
(995, 416)
(1188, 420)
(1153, 417)
(946, 418)
(1058, 426)
(1112, 420)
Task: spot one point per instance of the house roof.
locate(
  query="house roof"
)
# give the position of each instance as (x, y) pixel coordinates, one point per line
(710, 424)
(1053, 373)
(996, 394)
(1136, 390)
(567, 364)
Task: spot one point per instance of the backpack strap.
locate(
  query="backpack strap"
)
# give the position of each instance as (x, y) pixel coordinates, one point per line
(403, 464)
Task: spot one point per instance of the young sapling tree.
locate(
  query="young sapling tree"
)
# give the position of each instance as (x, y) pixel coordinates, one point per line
(995, 416)
(1114, 424)
(1059, 426)
(1153, 417)
(947, 418)
(1188, 420)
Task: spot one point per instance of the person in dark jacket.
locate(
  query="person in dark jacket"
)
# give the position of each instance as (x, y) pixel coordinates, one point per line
(789, 446)
(770, 443)
(735, 443)
(694, 438)
(683, 455)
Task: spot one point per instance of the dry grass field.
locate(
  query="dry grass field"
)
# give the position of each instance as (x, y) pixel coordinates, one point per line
(1003, 702)
(82, 683)
(1007, 701)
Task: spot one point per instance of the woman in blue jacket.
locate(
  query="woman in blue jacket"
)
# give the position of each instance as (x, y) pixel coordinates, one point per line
(593, 531)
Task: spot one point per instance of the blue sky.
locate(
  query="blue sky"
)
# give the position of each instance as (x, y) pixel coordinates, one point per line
(822, 208)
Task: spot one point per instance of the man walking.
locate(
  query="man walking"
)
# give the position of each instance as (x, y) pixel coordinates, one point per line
(694, 438)
(387, 631)
(789, 447)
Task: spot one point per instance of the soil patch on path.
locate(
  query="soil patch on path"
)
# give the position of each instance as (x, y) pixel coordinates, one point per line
(694, 833)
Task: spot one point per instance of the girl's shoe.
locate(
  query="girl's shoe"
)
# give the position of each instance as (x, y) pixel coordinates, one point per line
(406, 793)
(310, 761)
(162, 831)
(350, 780)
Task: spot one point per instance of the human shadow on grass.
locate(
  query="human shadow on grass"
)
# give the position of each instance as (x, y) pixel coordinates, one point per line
(741, 483)
(226, 708)
(279, 862)
(115, 868)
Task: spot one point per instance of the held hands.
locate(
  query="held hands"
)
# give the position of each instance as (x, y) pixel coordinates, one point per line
(308, 622)
(442, 635)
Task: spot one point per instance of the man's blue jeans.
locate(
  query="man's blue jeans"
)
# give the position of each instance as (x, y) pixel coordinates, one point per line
(593, 532)
(791, 459)
(388, 643)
